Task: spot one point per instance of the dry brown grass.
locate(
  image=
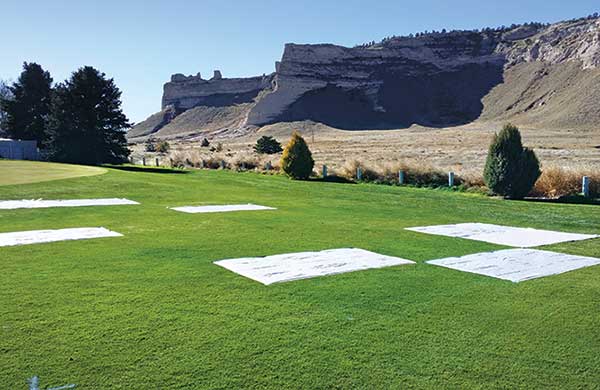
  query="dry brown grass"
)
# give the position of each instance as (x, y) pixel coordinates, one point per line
(194, 158)
(415, 174)
(557, 182)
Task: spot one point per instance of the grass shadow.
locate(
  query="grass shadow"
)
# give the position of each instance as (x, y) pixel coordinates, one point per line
(332, 179)
(136, 168)
(567, 200)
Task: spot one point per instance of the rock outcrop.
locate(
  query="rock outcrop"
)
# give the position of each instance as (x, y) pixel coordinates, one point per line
(433, 79)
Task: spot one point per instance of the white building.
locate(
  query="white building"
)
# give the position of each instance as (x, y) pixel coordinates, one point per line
(18, 150)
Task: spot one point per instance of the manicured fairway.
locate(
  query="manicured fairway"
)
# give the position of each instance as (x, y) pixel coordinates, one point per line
(22, 172)
(150, 310)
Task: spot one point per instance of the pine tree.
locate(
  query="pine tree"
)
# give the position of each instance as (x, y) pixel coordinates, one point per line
(5, 94)
(26, 110)
(86, 123)
(297, 161)
(510, 169)
(267, 145)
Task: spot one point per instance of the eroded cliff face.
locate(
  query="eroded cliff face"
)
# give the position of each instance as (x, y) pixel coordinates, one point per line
(412, 80)
(184, 93)
(437, 79)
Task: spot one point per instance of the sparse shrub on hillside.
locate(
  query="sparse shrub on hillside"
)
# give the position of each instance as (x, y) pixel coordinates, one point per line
(163, 147)
(510, 169)
(205, 143)
(267, 145)
(297, 161)
(150, 145)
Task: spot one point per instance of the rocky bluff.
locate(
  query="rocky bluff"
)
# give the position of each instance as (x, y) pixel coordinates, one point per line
(434, 79)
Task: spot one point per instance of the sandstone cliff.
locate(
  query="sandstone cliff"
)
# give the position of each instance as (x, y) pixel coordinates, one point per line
(544, 73)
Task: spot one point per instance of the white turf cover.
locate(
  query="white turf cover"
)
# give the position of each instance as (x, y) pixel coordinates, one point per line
(502, 235)
(303, 265)
(39, 203)
(221, 208)
(41, 236)
(517, 265)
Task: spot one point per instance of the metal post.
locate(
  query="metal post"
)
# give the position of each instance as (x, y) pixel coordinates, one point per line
(450, 179)
(358, 174)
(401, 177)
(144, 161)
(324, 171)
(157, 161)
(585, 186)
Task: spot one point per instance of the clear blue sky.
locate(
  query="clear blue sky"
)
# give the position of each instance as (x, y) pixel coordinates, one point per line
(141, 43)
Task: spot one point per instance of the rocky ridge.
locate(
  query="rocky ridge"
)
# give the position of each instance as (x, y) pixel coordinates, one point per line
(435, 79)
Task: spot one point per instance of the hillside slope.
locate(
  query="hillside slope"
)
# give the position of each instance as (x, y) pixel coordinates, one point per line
(539, 75)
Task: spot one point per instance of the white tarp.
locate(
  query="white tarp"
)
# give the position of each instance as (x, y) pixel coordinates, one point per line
(40, 203)
(303, 265)
(41, 236)
(502, 235)
(221, 208)
(517, 265)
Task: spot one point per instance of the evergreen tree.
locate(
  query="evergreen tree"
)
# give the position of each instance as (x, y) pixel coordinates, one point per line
(86, 123)
(267, 145)
(5, 94)
(26, 110)
(297, 161)
(510, 169)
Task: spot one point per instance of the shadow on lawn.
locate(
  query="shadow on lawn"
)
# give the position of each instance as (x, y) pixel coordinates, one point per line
(566, 200)
(332, 179)
(134, 168)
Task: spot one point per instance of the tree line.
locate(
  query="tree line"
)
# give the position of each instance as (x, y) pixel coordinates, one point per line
(77, 121)
(486, 30)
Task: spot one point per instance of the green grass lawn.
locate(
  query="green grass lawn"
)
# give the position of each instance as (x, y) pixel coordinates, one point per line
(149, 310)
(23, 172)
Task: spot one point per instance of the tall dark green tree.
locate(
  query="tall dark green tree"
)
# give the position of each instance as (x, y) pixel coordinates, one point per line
(26, 110)
(5, 94)
(86, 123)
(510, 169)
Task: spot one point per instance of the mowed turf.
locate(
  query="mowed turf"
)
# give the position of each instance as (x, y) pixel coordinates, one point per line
(150, 311)
(23, 172)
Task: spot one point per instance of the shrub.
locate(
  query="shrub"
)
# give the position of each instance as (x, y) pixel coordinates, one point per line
(267, 145)
(556, 182)
(205, 143)
(163, 147)
(150, 145)
(297, 161)
(510, 169)
(419, 175)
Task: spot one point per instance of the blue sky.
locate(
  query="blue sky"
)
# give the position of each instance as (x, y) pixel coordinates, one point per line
(141, 43)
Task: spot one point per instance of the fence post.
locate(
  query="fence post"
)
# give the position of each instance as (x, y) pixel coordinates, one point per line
(585, 186)
(157, 161)
(401, 177)
(358, 174)
(450, 179)
(324, 171)
(144, 161)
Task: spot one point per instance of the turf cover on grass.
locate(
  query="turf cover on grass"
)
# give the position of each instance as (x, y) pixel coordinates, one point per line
(503, 235)
(303, 265)
(517, 265)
